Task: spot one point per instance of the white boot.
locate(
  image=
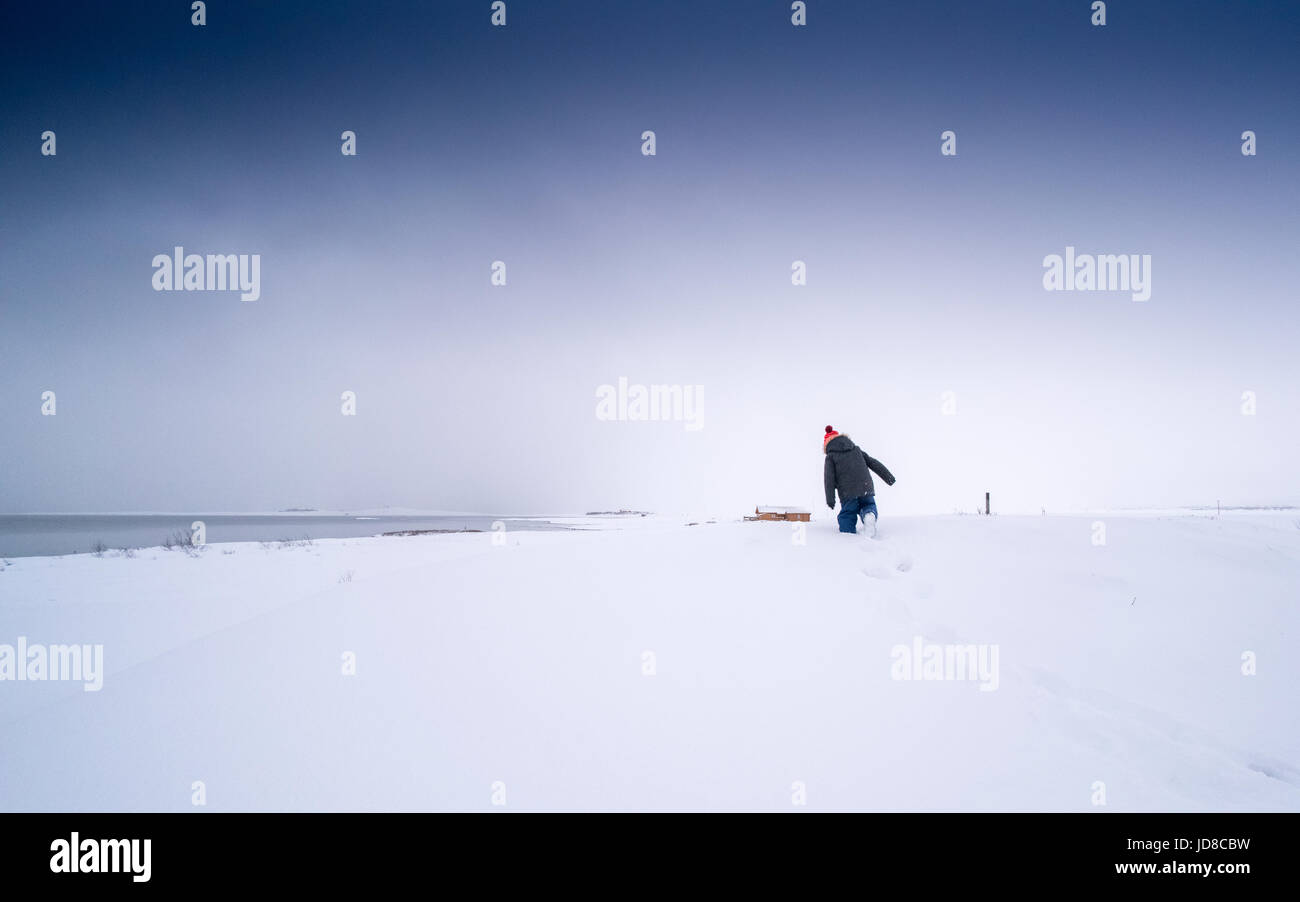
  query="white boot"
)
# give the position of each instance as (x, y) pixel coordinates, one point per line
(869, 525)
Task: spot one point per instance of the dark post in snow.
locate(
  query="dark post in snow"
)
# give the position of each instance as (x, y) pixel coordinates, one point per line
(986, 504)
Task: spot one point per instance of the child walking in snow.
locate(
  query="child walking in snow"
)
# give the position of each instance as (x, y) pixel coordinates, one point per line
(848, 469)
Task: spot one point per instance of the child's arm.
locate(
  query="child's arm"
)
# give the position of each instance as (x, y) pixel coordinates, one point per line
(828, 478)
(879, 469)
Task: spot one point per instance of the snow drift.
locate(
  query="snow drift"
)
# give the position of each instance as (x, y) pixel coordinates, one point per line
(649, 665)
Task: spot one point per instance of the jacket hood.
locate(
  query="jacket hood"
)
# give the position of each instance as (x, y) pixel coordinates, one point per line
(841, 442)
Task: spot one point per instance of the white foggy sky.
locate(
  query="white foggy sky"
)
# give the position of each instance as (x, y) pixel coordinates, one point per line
(487, 402)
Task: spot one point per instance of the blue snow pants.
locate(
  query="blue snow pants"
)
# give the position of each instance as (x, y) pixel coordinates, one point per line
(855, 508)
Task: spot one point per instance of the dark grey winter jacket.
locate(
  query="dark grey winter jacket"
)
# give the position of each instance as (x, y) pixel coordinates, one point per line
(848, 468)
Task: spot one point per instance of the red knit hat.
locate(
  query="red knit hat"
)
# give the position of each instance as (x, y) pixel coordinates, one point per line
(830, 434)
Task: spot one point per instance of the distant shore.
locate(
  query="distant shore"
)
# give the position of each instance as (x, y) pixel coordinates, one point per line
(43, 535)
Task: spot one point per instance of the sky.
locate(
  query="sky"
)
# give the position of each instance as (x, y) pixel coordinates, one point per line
(924, 330)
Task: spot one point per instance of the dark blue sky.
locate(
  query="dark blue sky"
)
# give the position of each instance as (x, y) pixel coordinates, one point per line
(521, 144)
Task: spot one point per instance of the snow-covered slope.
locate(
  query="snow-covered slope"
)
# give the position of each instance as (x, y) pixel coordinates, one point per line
(650, 665)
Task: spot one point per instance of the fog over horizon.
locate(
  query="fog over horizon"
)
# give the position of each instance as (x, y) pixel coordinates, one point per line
(924, 330)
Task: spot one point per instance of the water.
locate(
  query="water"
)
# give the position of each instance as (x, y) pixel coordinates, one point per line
(27, 535)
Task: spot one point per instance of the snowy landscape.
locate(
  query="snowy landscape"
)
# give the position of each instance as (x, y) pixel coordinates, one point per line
(685, 406)
(1126, 661)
